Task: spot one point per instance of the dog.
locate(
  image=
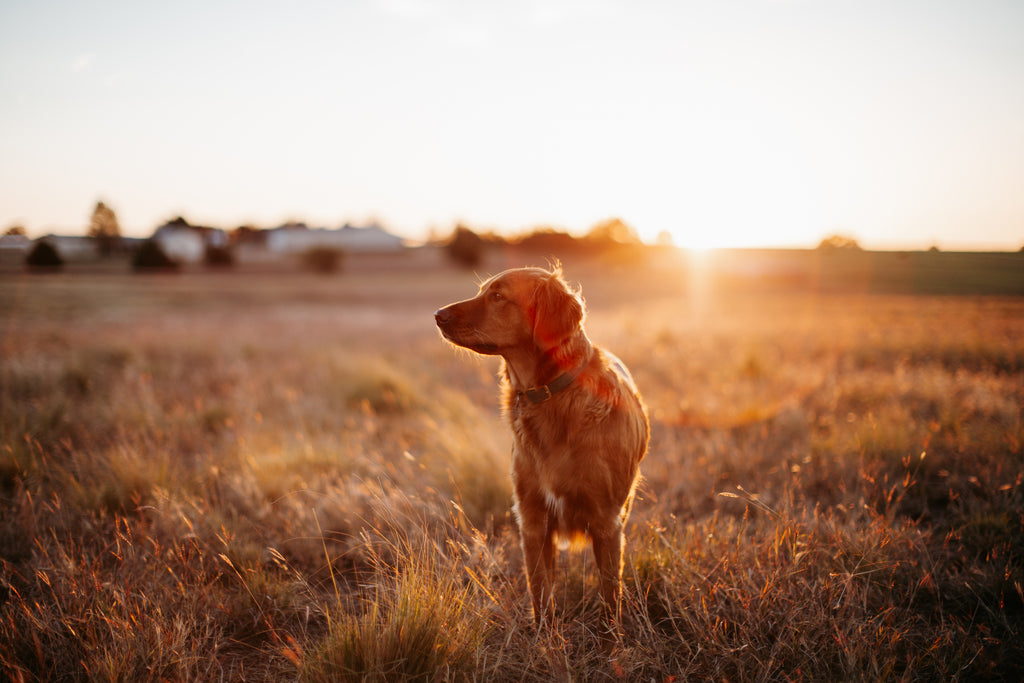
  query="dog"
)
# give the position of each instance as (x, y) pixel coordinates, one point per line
(579, 425)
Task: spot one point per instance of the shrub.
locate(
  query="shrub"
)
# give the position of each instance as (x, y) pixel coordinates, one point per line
(151, 256)
(323, 259)
(43, 256)
(218, 257)
(466, 248)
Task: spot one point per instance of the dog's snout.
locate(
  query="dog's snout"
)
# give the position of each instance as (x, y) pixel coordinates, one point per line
(443, 316)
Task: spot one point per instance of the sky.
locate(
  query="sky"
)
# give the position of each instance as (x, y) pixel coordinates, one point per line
(726, 123)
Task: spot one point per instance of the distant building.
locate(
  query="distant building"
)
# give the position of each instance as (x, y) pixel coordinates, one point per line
(296, 238)
(73, 247)
(371, 238)
(186, 243)
(15, 243)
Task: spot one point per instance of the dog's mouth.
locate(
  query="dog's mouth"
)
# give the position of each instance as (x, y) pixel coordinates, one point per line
(471, 344)
(482, 347)
(465, 339)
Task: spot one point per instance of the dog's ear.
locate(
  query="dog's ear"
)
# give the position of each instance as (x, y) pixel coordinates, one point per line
(557, 312)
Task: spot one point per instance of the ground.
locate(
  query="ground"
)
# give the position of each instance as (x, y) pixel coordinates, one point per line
(287, 476)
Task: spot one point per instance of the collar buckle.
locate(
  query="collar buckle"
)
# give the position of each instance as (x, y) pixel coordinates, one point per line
(540, 394)
(545, 392)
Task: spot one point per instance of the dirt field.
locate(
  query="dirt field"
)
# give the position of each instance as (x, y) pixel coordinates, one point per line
(284, 476)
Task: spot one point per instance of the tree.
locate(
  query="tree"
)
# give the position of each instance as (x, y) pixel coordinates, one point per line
(837, 242)
(613, 231)
(103, 227)
(548, 239)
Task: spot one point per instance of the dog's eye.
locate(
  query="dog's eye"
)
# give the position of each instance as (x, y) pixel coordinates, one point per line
(496, 296)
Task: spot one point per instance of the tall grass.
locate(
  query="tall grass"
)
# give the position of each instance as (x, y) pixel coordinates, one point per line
(295, 479)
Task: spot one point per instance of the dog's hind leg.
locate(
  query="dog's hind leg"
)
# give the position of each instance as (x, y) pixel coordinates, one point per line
(608, 545)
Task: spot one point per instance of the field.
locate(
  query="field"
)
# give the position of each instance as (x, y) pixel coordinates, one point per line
(266, 477)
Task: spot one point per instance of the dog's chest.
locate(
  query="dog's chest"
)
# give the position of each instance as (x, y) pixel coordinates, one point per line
(548, 456)
(531, 433)
(547, 440)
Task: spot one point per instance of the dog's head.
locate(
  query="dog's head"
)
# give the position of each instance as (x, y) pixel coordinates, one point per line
(520, 308)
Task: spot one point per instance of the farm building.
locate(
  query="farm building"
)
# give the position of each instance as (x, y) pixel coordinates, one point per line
(186, 243)
(297, 238)
(73, 247)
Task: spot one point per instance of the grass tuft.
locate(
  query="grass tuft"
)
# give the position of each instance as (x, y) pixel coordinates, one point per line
(421, 622)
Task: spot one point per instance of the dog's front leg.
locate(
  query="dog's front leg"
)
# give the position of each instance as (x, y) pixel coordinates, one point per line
(539, 554)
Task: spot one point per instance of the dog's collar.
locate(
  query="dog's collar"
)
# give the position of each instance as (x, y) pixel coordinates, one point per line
(544, 393)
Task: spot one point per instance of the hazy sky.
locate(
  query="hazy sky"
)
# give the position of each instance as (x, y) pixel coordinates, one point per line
(728, 122)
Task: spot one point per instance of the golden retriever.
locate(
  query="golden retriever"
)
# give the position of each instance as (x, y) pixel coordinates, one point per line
(579, 425)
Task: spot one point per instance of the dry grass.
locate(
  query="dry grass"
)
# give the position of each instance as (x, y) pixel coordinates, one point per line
(214, 477)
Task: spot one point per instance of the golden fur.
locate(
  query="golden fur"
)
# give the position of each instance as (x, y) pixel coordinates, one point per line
(577, 450)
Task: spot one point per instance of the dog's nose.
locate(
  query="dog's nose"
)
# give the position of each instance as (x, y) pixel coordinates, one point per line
(442, 316)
